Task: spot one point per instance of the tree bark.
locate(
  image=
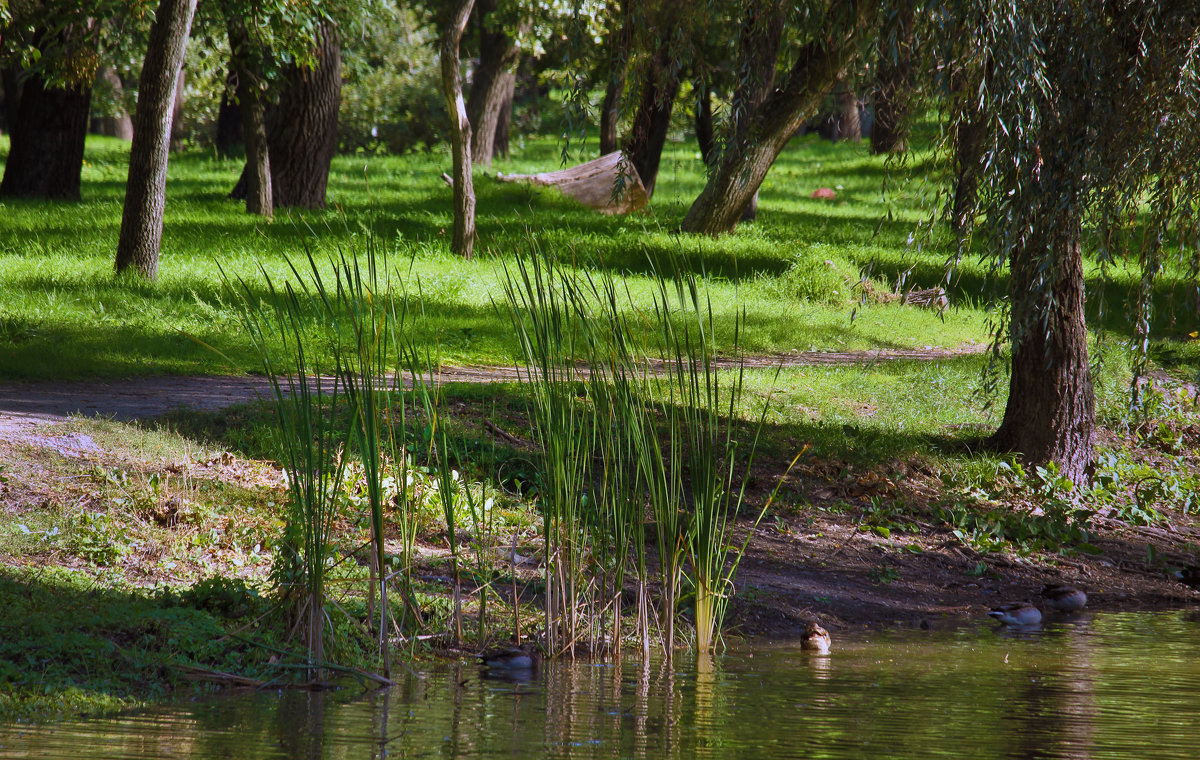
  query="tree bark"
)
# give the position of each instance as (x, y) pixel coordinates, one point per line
(180, 100)
(498, 53)
(889, 132)
(303, 139)
(246, 64)
(463, 242)
(1050, 414)
(751, 151)
(762, 36)
(45, 155)
(12, 96)
(119, 125)
(504, 122)
(230, 130)
(849, 127)
(620, 46)
(660, 85)
(969, 135)
(145, 189)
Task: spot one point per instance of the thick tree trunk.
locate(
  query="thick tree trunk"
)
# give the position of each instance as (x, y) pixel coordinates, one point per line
(889, 132)
(145, 189)
(463, 242)
(497, 54)
(762, 36)
(303, 137)
(648, 135)
(230, 128)
(752, 150)
(504, 122)
(246, 63)
(45, 155)
(12, 96)
(119, 125)
(1050, 415)
(620, 46)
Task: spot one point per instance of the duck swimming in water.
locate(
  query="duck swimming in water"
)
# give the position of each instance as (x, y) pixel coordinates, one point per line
(816, 639)
(1018, 614)
(1064, 598)
(524, 660)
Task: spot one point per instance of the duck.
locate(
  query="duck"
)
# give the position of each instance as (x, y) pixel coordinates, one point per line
(1064, 598)
(1017, 614)
(816, 639)
(1188, 576)
(523, 660)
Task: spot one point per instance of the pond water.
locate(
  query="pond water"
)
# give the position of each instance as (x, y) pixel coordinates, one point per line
(1103, 686)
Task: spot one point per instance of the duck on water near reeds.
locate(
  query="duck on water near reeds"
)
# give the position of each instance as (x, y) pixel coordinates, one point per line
(523, 660)
(1063, 598)
(1017, 614)
(815, 639)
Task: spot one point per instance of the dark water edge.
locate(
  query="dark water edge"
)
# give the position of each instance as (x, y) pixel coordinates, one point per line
(1105, 686)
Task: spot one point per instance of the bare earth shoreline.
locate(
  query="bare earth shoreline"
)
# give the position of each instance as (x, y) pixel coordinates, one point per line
(800, 567)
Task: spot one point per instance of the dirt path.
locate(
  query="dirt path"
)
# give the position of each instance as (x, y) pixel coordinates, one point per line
(26, 406)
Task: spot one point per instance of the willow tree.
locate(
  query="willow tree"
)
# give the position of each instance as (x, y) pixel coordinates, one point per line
(830, 38)
(1090, 148)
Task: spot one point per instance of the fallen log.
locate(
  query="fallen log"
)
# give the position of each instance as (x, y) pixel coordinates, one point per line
(610, 184)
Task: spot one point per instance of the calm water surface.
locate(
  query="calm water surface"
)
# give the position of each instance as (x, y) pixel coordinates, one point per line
(1106, 686)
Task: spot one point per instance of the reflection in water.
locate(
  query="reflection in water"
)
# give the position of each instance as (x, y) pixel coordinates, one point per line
(1115, 686)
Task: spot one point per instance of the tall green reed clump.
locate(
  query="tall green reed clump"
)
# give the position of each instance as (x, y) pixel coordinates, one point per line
(312, 440)
(373, 341)
(545, 305)
(701, 407)
(653, 446)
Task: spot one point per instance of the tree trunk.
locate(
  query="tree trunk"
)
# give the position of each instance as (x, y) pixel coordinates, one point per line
(463, 242)
(118, 125)
(246, 63)
(497, 54)
(145, 189)
(660, 85)
(620, 45)
(969, 135)
(45, 155)
(12, 96)
(177, 136)
(229, 118)
(303, 138)
(704, 122)
(762, 36)
(504, 122)
(1050, 415)
(752, 150)
(889, 132)
(849, 127)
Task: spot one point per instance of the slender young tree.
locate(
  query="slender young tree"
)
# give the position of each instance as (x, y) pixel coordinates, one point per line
(463, 242)
(247, 66)
(753, 143)
(145, 189)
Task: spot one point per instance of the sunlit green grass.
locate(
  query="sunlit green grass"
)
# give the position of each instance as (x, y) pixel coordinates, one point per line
(64, 313)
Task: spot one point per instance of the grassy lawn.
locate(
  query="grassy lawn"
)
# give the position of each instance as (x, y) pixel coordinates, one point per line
(63, 313)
